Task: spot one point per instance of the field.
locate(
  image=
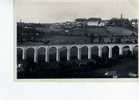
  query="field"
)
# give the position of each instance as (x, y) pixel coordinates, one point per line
(68, 39)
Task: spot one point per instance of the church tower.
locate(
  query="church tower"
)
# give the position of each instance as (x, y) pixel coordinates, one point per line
(121, 16)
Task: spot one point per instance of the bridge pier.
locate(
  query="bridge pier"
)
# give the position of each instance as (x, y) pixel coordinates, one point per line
(23, 53)
(100, 51)
(35, 55)
(46, 54)
(89, 52)
(131, 49)
(79, 53)
(68, 53)
(57, 54)
(110, 52)
(120, 50)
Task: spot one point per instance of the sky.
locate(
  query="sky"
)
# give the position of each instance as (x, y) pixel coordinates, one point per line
(51, 11)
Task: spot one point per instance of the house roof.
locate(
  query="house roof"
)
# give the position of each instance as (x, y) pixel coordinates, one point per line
(94, 19)
(80, 19)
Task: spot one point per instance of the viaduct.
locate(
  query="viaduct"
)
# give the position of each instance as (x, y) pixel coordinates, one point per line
(78, 46)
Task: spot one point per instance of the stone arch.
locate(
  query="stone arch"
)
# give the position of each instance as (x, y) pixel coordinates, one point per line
(52, 53)
(115, 51)
(63, 54)
(105, 52)
(30, 54)
(94, 52)
(19, 54)
(73, 53)
(84, 52)
(126, 50)
(41, 54)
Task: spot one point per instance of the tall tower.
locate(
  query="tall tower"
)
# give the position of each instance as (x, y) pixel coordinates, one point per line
(121, 15)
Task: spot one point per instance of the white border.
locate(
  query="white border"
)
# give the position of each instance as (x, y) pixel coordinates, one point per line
(63, 80)
(11, 90)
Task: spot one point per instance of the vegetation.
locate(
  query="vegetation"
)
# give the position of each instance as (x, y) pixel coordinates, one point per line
(95, 68)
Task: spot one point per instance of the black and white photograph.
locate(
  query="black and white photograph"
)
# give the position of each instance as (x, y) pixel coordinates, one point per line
(79, 39)
(69, 49)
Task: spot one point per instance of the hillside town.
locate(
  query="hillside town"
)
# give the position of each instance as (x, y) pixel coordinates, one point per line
(81, 30)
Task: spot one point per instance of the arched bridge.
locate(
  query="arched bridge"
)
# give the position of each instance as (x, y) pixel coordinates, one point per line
(79, 47)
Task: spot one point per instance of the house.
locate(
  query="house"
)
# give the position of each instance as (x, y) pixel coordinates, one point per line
(134, 22)
(103, 22)
(93, 21)
(81, 22)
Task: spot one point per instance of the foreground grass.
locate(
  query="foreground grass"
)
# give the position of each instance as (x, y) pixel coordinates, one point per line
(95, 68)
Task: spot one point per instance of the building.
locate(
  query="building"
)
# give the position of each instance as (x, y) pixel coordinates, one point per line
(93, 21)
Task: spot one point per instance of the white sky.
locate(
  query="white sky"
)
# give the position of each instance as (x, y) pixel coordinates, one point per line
(48, 11)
